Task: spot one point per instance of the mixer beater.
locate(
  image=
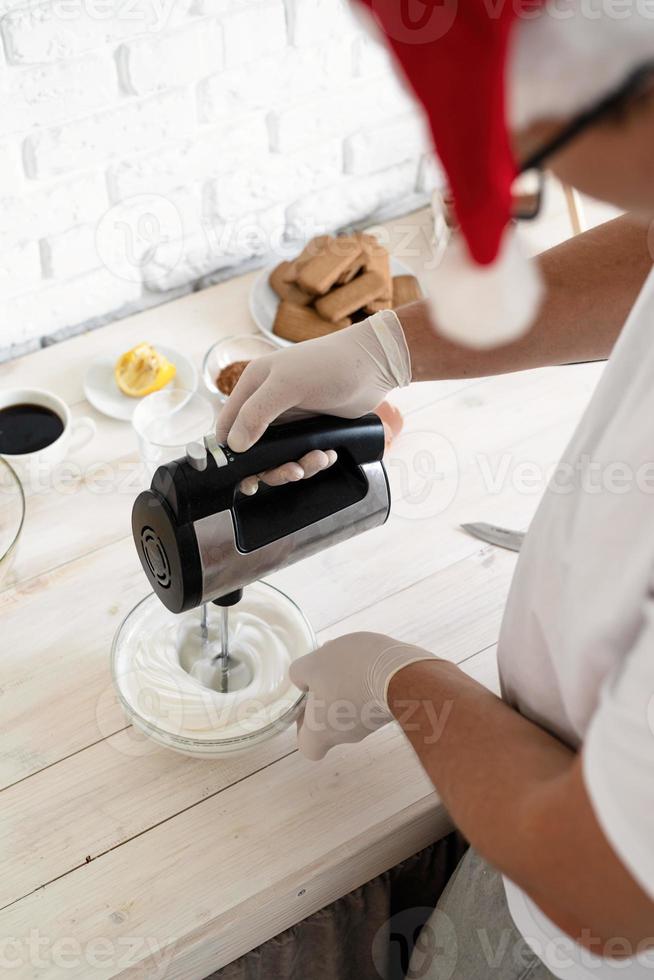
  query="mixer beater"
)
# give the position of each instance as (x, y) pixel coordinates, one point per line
(191, 672)
(201, 540)
(221, 659)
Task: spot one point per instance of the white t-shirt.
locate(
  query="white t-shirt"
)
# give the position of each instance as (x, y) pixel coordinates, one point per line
(576, 652)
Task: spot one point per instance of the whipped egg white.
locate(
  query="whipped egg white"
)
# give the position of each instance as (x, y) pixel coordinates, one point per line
(266, 633)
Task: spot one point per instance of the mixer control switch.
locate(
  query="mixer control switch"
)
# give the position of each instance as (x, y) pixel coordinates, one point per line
(221, 457)
(196, 454)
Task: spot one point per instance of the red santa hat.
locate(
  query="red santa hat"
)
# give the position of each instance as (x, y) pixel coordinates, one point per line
(460, 57)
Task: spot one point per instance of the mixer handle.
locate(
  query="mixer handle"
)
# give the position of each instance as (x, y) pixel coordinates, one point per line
(361, 439)
(276, 513)
(199, 539)
(203, 483)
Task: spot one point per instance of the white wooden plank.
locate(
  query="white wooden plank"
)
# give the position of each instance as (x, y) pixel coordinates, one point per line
(180, 858)
(92, 497)
(94, 502)
(190, 324)
(239, 867)
(423, 533)
(471, 424)
(56, 636)
(105, 795)
(351, 577)
(92, 493)
(122, 786)
(72, 650)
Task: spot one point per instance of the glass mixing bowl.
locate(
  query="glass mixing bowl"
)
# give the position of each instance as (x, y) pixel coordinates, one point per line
(165, 423)
(181, 707)
(12, 516)
(245, 347)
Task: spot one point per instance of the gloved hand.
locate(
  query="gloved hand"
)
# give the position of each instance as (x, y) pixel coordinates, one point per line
(347, 680)
(347, 373)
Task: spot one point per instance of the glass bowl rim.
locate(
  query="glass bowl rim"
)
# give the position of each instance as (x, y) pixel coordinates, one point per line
(184, 741)
(199, 395)
(23, 506)
(259, 337)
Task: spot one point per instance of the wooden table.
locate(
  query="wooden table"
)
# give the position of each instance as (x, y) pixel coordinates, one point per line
(122, 859)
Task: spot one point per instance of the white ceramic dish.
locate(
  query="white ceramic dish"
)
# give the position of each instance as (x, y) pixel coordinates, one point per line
(101, 390)
(264, 301)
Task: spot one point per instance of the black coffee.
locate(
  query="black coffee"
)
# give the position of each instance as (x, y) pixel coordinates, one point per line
(28, 428)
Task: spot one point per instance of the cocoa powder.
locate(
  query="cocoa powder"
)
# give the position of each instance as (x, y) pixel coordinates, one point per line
(228, 377)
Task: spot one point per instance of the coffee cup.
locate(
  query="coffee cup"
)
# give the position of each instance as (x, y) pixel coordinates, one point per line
(39, 432)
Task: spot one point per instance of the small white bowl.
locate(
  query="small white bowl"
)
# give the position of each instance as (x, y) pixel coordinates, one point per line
(245, 347)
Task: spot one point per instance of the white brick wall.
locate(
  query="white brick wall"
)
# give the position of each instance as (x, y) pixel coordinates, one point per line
(149, 144)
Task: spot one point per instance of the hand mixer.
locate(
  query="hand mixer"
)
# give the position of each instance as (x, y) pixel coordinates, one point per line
(201, 540)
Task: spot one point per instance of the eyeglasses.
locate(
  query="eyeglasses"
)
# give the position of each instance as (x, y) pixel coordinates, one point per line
(528, 192)
(640, 83)
(527, 196)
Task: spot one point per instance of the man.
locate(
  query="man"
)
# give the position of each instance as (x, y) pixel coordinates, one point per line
(553, 786)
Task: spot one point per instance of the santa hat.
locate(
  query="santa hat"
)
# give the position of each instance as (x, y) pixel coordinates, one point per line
(460, 56)
(565, 59)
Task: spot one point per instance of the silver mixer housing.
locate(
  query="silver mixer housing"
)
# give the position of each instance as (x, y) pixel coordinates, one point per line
(199, 539)
(225, 568)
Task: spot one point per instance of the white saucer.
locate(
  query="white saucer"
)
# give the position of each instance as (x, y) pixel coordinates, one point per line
(264, 301)
(101, 390)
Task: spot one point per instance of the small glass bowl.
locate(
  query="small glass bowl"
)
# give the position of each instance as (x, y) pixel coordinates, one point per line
(166, 421)
(244, 347)
(152, 715)
(12, 516)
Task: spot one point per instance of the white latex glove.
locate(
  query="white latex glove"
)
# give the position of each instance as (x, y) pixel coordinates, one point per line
(347, 680)
(347, 373)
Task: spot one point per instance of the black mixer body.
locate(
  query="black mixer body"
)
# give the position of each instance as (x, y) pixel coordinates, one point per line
(201, 540)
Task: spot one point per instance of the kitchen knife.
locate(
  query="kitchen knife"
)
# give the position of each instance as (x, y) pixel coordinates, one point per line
(500, 536)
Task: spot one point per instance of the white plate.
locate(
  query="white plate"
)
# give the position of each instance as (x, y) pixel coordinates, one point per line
(101, 390)
(264, 301)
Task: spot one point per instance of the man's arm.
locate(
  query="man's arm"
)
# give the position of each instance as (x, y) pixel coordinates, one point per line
(518, 796)
(592, 282)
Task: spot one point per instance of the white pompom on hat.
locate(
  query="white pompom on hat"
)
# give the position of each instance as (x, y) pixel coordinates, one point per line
(479, 68)
(485, 305)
